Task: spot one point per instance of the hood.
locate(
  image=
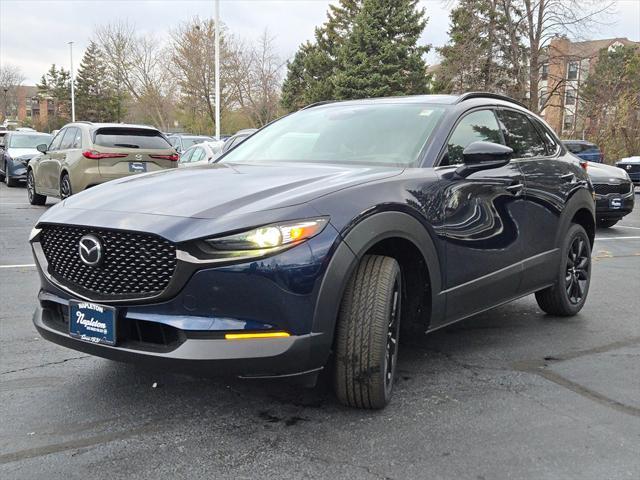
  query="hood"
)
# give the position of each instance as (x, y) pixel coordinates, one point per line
(19, 152)
(634, 160)
(600, 172)
(214, 191)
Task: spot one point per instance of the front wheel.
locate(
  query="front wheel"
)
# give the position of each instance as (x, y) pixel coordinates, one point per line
(367, 334)
(34, 198)
(8, 179)
(568, 295)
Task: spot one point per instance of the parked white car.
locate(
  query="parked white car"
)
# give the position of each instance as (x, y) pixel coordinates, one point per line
(201, 154)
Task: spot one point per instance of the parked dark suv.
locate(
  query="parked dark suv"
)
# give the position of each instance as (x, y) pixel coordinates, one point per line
(319, 239)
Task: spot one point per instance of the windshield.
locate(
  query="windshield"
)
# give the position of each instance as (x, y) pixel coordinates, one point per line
(28, 141)
(191, 141)
(372, 134)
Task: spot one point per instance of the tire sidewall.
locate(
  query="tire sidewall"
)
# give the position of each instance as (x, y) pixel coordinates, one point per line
(574, 232)
(388, 388)
(65, 178)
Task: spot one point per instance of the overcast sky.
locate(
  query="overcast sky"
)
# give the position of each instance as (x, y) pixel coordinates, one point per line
(34, 33)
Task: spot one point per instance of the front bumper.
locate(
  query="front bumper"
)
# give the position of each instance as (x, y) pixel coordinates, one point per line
(274, 357)
(277, 293)
(604, 209)
(18, 170)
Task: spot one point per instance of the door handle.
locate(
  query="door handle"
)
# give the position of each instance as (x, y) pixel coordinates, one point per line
(569, 177)
(515, 189)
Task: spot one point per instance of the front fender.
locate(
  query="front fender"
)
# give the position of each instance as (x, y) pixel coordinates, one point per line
(356, 242)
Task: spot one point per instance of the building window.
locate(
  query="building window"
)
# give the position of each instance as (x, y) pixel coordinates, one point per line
(572, 71)
(544, 73)
(570, 97)
(568, 121)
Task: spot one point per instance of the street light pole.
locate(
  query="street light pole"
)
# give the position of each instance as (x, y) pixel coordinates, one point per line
(6, 107)
(217, 67)
(73, 93)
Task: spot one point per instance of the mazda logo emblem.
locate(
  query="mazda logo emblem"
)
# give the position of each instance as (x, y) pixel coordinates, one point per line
(138, 156)
(90, 249)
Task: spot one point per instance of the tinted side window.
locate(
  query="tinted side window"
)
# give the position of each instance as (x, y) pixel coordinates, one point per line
(77, 139)
(55, 143)
(480, 126)
(547, 137)
(521, 135)
(68, 139)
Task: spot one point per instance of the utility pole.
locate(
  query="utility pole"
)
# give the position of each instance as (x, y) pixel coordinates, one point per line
(6, 107)
(217, 67)
(73, 93)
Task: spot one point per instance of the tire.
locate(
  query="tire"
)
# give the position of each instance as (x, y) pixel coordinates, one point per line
(34, 198)
(607, 222)
(11, 182)
(367, 334)
(569, 294)
(2, 175)
(65, 186)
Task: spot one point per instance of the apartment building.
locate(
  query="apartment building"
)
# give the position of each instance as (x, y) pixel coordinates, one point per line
(563, 73)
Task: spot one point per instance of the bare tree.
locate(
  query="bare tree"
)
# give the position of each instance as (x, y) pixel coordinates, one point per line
(542, 20)
(256, 79)
(193, 54)
(10, 79)
(139, 65)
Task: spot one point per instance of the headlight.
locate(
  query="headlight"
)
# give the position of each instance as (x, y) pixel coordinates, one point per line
(269, 237)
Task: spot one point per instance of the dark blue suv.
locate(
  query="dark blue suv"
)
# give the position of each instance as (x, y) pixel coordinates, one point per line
(587, 151)
(320, 239)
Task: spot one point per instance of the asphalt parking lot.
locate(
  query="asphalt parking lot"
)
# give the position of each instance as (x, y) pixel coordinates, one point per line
(511, 393)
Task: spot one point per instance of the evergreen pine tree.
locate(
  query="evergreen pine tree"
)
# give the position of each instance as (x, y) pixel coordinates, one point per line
(476, 56)
(381, 56)
(96, 99)
(56, 85)
(310, 75)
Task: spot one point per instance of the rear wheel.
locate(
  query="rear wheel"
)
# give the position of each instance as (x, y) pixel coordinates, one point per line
(607, 222)
(568, 295)
(65, 186)
(367, 334)
(34, 198)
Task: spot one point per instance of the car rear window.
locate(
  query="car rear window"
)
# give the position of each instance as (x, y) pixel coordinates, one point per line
(130, 138)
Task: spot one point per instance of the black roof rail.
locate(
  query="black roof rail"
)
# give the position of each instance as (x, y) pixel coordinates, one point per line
(497, 96)
(317, 104)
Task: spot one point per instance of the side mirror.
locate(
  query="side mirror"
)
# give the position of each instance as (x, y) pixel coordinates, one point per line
(42, 148)
(483, 156)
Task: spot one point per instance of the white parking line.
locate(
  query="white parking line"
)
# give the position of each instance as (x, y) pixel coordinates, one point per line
(616, 238)
(624, 226)
(26, 265)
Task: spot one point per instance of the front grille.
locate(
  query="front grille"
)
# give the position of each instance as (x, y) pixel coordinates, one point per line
(607, 188)
(134, 264)
(635, 168)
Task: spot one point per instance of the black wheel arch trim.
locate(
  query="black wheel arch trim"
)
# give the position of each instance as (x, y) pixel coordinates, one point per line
(359, 238)
(580, 199)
